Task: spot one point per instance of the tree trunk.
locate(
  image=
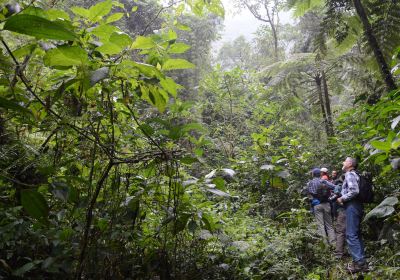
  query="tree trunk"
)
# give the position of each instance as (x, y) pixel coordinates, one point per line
(327, 105)
(321, 101)
(373, 42)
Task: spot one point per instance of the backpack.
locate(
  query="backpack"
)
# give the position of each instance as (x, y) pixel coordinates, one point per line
(366, 194)
(323, 193)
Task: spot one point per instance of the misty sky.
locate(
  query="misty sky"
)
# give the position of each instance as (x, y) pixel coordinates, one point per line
(243, 22)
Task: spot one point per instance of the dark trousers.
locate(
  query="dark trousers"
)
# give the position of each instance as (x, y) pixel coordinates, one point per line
(340, 228)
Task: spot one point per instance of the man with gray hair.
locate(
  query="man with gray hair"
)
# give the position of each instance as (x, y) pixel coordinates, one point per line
(354, 212)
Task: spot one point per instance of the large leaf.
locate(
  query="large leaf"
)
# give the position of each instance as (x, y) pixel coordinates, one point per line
(143, 43)
(39, 27)
(178, 63)
(383, 146)
(178, 48)
(99, 10)
(66, 56)
(384, 209)
(35, 204)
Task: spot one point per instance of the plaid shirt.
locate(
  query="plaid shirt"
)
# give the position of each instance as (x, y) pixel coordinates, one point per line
(350, 187)
(313, 185)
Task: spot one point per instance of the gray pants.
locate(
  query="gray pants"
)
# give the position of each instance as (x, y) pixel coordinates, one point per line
(324, 223)
(340, 232)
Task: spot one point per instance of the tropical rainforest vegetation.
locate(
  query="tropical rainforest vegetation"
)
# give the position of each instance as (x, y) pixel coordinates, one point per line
(131, 149)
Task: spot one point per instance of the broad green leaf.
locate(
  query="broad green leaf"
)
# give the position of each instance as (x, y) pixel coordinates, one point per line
(117, 42)
(34, 203)
(79, 11)
(178, 48)
(114, 17)
(178, 63)
(384, 209)
(7, 104)
(383, 146)
(99, 10)
(104, 31)
(147, 69)
(143, 43)
(24, 50)
(38, 27)
(157, 98)
(170, 86)
(66, 56)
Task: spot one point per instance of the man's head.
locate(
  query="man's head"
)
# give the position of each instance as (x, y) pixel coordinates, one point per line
(334, 174)
(349, 164)
(316, 172)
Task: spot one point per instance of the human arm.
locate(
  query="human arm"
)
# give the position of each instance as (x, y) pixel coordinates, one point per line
(329, 184)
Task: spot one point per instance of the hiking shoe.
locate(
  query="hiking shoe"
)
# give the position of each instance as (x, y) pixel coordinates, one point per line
(354, 267)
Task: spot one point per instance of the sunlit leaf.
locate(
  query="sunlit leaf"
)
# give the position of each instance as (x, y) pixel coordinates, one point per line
(66, 56)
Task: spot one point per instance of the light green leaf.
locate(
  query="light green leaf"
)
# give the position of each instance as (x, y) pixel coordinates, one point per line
(178, 48)
(178, 63)
(99, 10)
(38, 27)
(383, 146)
(104, 31)
(134, 8)
(114, 17)
(79, 11)
(147, 69)
(65, 56)
(53, 14)
(183, 27)
(117, 42)
(34, 203)
(143, 43)
(170, 86)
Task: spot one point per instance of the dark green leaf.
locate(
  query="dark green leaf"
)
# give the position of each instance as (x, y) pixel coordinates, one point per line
(38, 27)
(35, 204)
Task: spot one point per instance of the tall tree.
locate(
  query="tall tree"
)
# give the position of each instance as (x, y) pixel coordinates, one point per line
(266, 11)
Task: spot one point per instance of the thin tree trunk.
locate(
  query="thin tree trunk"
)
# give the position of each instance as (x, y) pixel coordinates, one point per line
(327, 104)
(89, 218)
(373, 42)
(321, 101)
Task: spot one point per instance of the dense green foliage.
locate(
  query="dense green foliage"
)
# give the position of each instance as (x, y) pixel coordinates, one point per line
(126, 154)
